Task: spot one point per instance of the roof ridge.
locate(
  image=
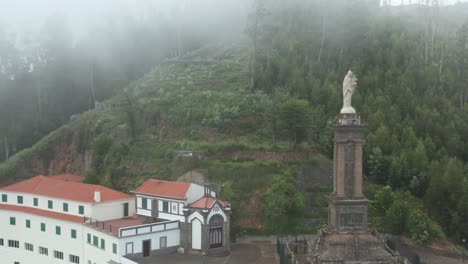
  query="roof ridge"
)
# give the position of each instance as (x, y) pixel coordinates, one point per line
(73, 182)
(170, 181)
(41, 178)
(65, 173)
(69, 190)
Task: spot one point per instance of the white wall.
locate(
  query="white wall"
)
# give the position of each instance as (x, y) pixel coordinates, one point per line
(144, 212)
(112, 210)
(180, 218)
(139, 205)
(97, 254)
(10, 255)
(196, 234)
(196, 215)
(175, 207)
(65, 243)
(173, 239)
(36, 237)
(99, 211)
(28, 200)
(195, 192)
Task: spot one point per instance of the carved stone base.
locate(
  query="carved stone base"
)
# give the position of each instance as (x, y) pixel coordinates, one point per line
(348, 215)
(335, 248)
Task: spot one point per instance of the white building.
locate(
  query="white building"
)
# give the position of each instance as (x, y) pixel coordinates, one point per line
(58, 219)
(204, 220)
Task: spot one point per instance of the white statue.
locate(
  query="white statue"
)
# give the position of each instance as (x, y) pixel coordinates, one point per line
(349, 84)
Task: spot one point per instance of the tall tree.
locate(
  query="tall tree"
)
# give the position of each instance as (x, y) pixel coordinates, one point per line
(254, 30)
(294, 119)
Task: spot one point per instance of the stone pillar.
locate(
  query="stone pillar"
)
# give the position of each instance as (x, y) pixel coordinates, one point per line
(340, 175)
(205, 233)
(335, 168)
(186, 233)
(205, 245)
(227, 231)
(347, 205)
(357, 190)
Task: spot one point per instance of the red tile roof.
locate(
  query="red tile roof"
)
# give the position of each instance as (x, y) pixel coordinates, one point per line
(67, 177)
(169, 189)
(67, 190)
(45, 213)
(207, 202)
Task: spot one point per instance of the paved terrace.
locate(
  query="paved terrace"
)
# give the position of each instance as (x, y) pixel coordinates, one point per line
(240, 254)
(131, 225)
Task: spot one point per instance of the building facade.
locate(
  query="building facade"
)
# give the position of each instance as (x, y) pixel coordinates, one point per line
(204, 219)
(58, 219)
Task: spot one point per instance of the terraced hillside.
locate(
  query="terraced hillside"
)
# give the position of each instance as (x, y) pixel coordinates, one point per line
(198, 103)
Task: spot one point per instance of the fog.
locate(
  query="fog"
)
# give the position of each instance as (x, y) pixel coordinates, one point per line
(27, 17)
(407, 2)
(59, 57)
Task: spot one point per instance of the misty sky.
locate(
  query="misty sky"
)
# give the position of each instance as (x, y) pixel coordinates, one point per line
(446, 2)
(29, 15)
(22, 12)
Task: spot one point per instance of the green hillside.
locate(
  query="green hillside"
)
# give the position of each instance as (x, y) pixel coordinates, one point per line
(258, 136)
(196, 103)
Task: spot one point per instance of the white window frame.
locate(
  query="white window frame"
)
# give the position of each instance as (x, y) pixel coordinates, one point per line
(74, 259)
(161, 239)
(127, 247)
(43, 251)
(28, 246)
(13, 243)
(58, 254)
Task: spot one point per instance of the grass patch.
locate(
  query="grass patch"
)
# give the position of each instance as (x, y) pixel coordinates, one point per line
(151, 151)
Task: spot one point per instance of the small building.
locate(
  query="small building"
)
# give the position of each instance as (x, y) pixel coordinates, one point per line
(204, 219)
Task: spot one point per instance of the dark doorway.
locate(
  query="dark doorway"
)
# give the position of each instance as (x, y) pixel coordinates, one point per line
(125, 210)
(216, 231)
(146, 248)
(216, 237)
(154, 208)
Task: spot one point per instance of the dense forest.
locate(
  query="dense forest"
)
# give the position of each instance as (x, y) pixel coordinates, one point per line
(281, 87)
(49, 75)
(411, 62)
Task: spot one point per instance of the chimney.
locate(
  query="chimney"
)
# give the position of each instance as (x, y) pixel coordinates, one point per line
(207, 190)
(97, 196)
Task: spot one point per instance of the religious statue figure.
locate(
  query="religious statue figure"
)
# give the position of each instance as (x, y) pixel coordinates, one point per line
(349, 84)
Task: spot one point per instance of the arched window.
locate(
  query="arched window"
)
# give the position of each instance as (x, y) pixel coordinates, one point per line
(216, 220)
(216, 231)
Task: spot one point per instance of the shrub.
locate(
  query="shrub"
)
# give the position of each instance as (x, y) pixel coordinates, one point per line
(383, 200)
(396, 217)
(418, 226)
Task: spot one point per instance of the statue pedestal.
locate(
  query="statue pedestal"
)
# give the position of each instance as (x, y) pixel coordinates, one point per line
(348, 215)
(348, 110)
(347, 205)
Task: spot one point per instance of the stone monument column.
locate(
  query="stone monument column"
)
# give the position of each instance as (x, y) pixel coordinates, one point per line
(347, 205)
(347, 239)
